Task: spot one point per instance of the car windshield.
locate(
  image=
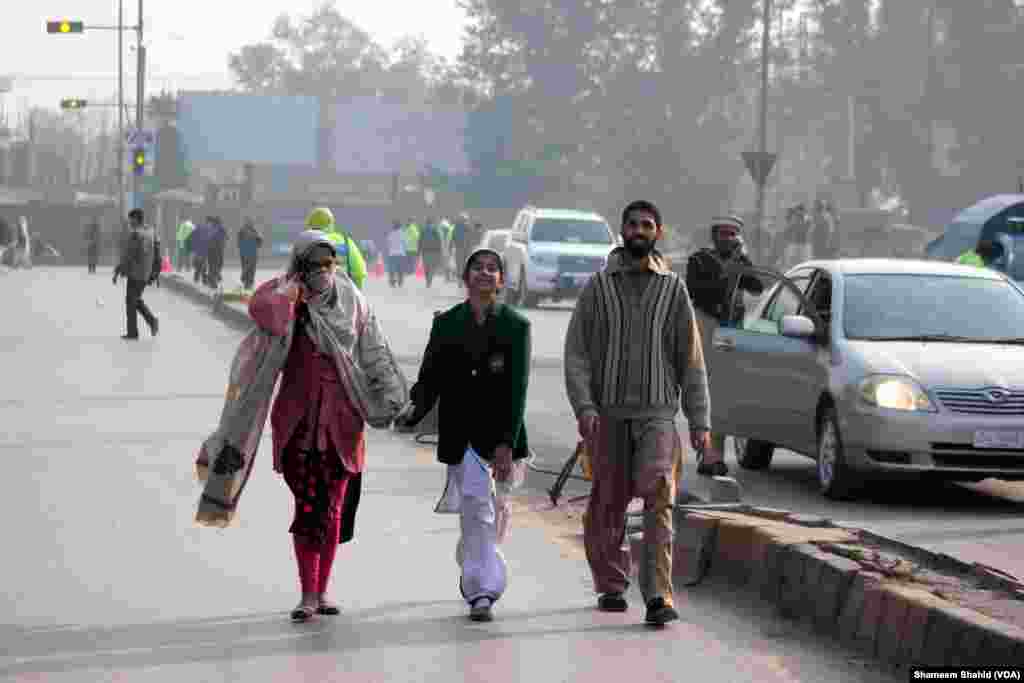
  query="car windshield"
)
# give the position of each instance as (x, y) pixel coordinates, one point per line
(932, 307)
(571, 231)
(498, 242)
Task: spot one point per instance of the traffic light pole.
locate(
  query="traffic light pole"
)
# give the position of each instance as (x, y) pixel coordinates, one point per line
(139, 98)
(120, 116)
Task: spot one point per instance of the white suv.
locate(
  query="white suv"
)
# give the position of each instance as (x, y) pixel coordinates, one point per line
(553, 252)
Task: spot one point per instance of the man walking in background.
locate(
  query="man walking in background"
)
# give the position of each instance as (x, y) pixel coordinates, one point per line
(92, 244)
(185, 229)
(200, 242)
(431, 249)
(215, 251)
(709, 276)
(396, 255)
(138, 251)
(249, 242)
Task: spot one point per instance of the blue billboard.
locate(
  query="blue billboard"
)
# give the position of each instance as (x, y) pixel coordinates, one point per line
(376, 137)
(258, 129)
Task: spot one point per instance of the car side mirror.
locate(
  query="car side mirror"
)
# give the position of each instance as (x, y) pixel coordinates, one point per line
(797, 326)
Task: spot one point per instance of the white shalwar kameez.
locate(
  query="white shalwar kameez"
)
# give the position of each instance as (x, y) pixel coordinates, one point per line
(483, 512)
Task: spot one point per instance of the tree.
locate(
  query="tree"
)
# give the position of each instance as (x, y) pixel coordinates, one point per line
(323, 54)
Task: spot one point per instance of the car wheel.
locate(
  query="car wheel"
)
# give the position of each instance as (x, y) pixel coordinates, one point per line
(753, 454)
(836, 478)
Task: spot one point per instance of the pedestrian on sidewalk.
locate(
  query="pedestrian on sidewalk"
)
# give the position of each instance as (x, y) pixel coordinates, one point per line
(138, 250)
(396, 255)
(249, 242)
(710, 274)
(182, 238)
(350, 257)
(337, 374)
(200, 244)
(218, 240)
(477, 364)
(411, 235)
(431, 249)
(631, 350)
(92, 244)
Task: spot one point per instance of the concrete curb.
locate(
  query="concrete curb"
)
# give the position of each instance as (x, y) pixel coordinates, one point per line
(236, 315)
(797, 563)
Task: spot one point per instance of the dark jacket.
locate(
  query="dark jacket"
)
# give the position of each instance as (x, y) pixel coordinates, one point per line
(481, 387)
(137, 250)
(249, 241)
(431, 241)
(708, 279)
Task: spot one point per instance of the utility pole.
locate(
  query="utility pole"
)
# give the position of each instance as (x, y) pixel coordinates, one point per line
(763, 120)
(120, 116)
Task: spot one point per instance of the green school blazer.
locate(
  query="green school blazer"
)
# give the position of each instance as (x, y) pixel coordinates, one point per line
(480, 399)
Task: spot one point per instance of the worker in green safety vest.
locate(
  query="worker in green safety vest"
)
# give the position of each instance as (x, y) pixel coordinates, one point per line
(982, 256)
(348, 252)
(411, 238)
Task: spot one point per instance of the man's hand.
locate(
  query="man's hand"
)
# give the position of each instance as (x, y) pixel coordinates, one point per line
(700, 439)
(587, 425)
(502, 462)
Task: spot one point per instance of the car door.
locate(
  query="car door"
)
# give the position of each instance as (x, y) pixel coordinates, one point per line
(751, 362)
(515, 252)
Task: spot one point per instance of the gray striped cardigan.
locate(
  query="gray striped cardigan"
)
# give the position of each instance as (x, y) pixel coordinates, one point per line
(651, 352)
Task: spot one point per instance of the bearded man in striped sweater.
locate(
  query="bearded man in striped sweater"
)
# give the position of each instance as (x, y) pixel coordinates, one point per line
(631, 352)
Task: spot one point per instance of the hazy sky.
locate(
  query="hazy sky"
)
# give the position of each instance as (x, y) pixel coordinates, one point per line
(189, 40)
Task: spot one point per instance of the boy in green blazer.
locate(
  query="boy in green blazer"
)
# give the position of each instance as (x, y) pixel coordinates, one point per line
(477, 364)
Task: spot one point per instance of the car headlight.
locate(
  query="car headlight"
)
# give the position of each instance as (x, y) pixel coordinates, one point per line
(895, 393)
(546, 260)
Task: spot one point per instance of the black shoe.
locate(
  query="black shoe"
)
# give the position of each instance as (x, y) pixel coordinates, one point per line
(480, 612)
(154, 329)
(712, 469)
(612, 602)
(130, 337)
(659, 614)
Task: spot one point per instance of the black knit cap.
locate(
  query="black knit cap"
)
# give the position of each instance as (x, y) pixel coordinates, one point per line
(477, 252)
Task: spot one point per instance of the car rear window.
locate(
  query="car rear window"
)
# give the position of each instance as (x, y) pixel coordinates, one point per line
(570, 231)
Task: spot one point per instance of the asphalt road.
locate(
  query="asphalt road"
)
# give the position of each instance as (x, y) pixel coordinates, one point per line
(976, 522)
(107, 579)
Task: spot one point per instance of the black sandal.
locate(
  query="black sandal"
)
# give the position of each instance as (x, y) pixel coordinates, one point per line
(302, 613)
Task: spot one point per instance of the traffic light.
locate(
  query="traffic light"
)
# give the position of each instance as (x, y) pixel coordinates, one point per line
(139, 160)
(64, 26)
(73, 103)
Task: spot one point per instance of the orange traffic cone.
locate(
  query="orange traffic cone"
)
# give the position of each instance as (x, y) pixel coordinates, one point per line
(420, 272)
(378, 270)
(165, 267)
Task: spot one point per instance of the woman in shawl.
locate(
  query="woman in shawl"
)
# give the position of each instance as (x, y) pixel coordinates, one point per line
(318, 418)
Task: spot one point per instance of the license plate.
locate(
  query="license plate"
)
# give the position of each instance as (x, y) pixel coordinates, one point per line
(998, 440)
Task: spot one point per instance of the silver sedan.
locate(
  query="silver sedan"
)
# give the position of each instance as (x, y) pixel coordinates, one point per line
(875, 367)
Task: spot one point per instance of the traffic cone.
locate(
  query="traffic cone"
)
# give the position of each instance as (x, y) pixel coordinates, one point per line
(420, 272)
(165, 267)
(378, 270)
